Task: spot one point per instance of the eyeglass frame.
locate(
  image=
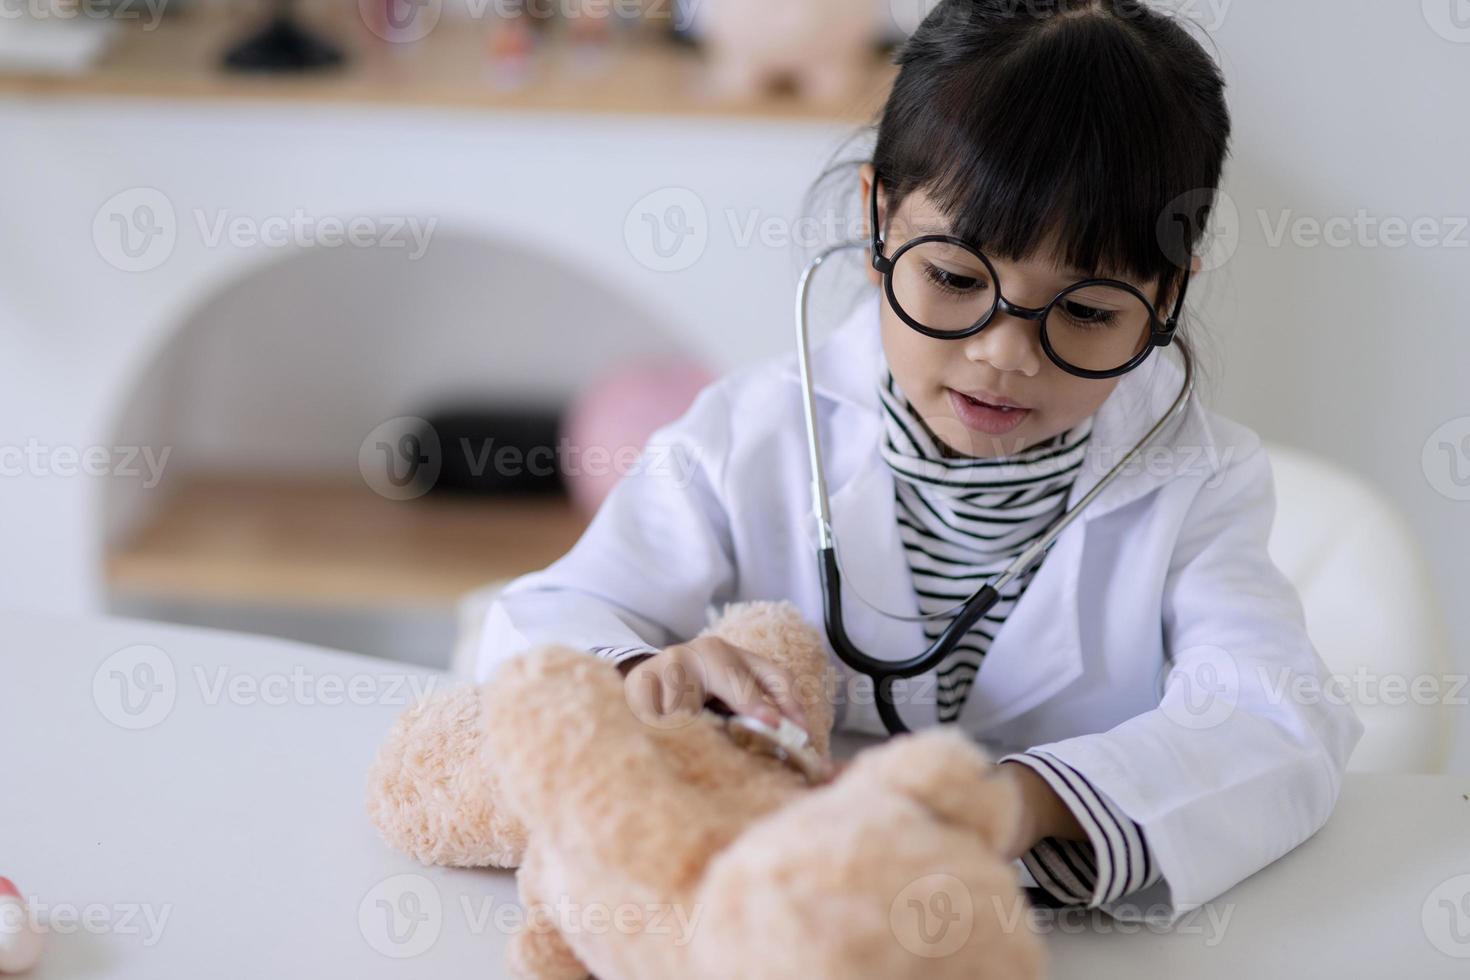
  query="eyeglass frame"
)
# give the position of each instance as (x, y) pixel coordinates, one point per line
(1161, 332)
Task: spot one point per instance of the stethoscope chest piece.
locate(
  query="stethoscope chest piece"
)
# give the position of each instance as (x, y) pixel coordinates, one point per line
(787, 743)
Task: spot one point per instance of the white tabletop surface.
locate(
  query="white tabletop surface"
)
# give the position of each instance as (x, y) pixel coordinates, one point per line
(215, 828)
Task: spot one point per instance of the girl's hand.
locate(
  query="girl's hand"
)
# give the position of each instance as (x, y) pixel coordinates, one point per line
(679, 681)
(1043, 814)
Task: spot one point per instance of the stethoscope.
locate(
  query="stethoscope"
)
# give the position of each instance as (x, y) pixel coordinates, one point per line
(885, 672)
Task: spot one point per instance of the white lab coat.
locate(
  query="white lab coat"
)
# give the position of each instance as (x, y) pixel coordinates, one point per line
(1233, 767)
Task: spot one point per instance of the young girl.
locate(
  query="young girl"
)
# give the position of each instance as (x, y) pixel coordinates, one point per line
(1144, 684)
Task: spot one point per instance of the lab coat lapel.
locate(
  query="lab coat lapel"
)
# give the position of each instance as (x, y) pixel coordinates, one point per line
(865, 524)
(1037, 650)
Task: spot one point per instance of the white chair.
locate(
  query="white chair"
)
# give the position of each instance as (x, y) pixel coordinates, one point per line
(1370, 609)
(1367, 597)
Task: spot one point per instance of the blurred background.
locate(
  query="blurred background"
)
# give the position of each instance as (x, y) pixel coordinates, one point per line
(301, 300)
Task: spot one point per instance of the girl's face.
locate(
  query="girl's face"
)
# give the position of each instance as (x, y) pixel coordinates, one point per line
(954, 385)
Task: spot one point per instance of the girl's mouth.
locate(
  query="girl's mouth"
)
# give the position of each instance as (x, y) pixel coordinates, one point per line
(994, 420)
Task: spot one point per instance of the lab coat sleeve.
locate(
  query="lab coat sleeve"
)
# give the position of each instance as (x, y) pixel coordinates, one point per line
(1112, 862)
(1243, 758)
(642, 575)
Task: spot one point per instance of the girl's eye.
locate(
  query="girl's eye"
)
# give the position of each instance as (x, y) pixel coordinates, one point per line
(953, 282)
(1087, 316)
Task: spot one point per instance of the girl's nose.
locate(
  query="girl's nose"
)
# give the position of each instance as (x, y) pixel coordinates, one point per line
(1007, 344)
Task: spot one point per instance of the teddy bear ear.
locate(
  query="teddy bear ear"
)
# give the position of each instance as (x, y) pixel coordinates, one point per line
(945, 771)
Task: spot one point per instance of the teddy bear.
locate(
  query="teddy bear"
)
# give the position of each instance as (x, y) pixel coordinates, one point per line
(712, 861)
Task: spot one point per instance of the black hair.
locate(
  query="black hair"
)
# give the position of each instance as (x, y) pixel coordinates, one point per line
(1102, 122)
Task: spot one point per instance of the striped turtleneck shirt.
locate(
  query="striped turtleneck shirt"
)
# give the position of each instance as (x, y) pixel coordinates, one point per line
(962, 520)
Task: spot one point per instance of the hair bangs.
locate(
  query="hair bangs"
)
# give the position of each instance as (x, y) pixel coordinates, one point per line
(1068, 135)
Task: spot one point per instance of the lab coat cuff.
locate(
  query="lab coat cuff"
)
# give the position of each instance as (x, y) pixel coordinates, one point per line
(1114, 860)
(619, 654)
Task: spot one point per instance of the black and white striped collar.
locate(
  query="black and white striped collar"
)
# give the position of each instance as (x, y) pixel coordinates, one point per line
(915, 455)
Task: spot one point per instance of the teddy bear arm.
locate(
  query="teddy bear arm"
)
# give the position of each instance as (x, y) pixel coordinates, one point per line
(952, 776)
(430, 794)
(543, 954)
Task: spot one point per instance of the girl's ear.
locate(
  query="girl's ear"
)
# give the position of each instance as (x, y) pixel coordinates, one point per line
(865, 197)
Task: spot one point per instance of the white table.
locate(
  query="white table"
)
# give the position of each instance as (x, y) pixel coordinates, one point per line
(214, 830)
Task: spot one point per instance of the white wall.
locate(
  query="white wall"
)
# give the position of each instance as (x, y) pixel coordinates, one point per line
(1362, 352)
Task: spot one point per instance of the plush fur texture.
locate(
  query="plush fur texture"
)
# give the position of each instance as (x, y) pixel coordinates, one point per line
(649, 851)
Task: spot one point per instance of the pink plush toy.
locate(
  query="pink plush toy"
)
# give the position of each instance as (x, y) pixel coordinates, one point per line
(824, 47)
(613, 418)
(20, 943)
(714, 861)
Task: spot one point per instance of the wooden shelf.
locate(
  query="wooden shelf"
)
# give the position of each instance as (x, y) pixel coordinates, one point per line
(334, 543)
(180, 59)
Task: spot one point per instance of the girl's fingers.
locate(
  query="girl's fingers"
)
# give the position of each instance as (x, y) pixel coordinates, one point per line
(682, 686)
(731, 681)
(777, 685)
(682, 679)
(644, 692)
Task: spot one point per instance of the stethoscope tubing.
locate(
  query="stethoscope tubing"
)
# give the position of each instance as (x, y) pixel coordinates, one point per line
(885, 672)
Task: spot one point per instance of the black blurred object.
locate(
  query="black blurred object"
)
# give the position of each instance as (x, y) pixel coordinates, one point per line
(682, 27)
(498, 452)
(283, 45)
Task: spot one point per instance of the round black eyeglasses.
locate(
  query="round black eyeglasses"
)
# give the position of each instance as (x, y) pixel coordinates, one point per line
(946, 288)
